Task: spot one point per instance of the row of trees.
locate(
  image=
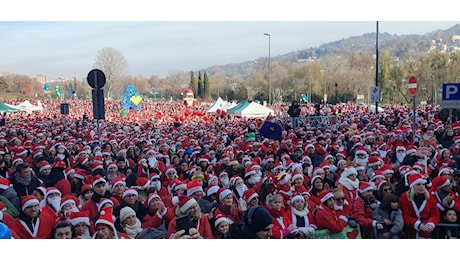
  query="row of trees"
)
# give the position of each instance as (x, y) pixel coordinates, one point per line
(340, 77)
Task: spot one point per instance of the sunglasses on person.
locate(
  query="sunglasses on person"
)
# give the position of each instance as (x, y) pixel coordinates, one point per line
(388, 190)
(340, 199)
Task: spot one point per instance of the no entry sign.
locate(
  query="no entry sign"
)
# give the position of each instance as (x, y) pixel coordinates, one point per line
(412, 86)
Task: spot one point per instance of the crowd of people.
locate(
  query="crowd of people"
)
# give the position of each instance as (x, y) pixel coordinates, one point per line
(168, 171)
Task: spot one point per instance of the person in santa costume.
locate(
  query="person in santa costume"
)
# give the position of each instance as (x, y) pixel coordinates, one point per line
(31, 223)
(105, 229)
(420, 213)
(362, 208)
(443, 195)
(81, 224)
(227, 206)
(326, 216)
(100, 192)
(159, 214)
(350, 183)
(282, 222)
(199, 222)
(57, 178)
(53, 203)
(341, 204)
(301, 216)
(221, 225)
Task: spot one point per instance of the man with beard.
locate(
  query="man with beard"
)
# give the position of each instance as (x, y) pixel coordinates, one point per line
(237, 186)
(155, 186)
(57, 178)
(361, 156)
(30, 222)
(99, 188)
(398, 157)
(23, 182)
(52, 202)
(224, 180)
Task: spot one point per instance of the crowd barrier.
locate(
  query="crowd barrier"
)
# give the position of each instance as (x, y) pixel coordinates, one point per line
(347, 233)
(446, 231)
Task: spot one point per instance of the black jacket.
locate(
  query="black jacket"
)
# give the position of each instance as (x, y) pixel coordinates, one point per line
(140, 209)
(240, 231)
(22, 190)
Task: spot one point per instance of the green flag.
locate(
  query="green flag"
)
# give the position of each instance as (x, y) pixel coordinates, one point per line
(123, 112)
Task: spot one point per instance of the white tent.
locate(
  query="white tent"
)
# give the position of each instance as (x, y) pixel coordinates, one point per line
(229, 106)
(254, 110)
(219, 104)
(26, 106)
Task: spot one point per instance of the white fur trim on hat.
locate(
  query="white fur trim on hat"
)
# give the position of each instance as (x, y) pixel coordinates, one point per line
(417, 181)
(28, 203)
(77, 221)
(366, 189)
(95, 182)
(349, 171)
(254, 195)
(151, 197)
(112, 165)
(220, 220)
(180, 186)
(193, 190)
(65, 202)
(326, 197)
(130, 192)
(116, 183)
(224, 194)
(102, 203)
(47, 166)
(411, 151)
(187, 205)
(285, 179)
(297, 197)
(212, 190)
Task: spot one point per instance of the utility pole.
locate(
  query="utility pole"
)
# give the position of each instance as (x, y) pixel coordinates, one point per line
(377, 63)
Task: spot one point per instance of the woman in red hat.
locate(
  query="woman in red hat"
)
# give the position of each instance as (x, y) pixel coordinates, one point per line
(301, 216)
(282, 222)
(326, 216)
(420, 213)
(362, 208)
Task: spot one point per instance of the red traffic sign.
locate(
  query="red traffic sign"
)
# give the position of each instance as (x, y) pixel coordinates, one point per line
(412, 86)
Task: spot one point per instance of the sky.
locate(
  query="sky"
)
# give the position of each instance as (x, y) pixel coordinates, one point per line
(67, 47)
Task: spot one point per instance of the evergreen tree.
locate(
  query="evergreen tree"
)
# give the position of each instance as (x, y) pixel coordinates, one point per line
(193, 82)
(205, 85)
(200, 86)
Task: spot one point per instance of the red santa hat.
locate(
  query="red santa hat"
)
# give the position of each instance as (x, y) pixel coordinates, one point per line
(184, 203)
(400, 147)
(112, 165)
(297, 175)
(361, 150)
(249, 194)
(193, 186)
(379, 184)
(95, 165)
(249, 172)
(4, 183)
(219, 219)
(234, 179)
(387, 169)
(325, 164)
(378, 174)
(170, 169)
(130, 191)
(278, 165)
(296, 196)
(44, 165)
(180, 185)
(51, 190)
(415, 179)
(117, 181)
(27, 201)
(364, 186)
(439, 182)
(212, 190)
(17, 159)
(233, 162)
(142, 183)
(97, 179)
(81, 160)
(317, 171)
(359, 167)
(325, 195)
(68, 171)
(373, 161)
(151, 197)
(445, 169)
(411, 149)
(222, 193)
(102, 202)
(59, 164)
(76, 218)
(313, 179)
(212, 178)
(224, 172)
(106, 219)
(69, 199)
(203, 158)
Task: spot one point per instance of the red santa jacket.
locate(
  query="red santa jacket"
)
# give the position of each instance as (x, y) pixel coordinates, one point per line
(232, 217)
(281, 222)
(92, 207)
(455, 204)
(42, 228)
(5, 218)
(362, 214)
(344, 209)
(202, 225)
(156, 218)
(47, 210)
(350, 195)
(428, 213)
(328, 219)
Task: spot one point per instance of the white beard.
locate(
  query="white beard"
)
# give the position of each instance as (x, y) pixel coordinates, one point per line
(60, 156)
(225, 182)
(363, 162)
(85, 235)
(333, 168)
(349, 184)
(156, 185)
(55, 203)
(400, 157)
(133, 230)
(241, 189)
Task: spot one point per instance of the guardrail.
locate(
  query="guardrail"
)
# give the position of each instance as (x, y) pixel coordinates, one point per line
(446, 231)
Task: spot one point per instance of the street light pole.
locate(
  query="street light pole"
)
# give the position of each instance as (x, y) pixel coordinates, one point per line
(270, 96)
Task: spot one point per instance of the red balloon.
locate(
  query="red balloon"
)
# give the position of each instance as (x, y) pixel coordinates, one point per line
(189, 110)
(224, 112)
(205, 118)
(218, 111)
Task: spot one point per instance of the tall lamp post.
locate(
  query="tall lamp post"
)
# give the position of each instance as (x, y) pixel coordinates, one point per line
(270, 98)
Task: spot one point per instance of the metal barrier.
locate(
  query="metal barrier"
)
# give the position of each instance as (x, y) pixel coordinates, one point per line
(445, 231)
(316, 121)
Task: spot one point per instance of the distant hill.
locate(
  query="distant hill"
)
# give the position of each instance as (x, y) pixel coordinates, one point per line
(399, 46)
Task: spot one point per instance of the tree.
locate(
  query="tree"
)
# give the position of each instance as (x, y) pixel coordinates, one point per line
(114, 65)
(206, 86)
(3, 85)
(200, 86)
(193, 82)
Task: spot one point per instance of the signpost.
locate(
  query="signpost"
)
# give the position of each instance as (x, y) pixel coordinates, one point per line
(96, 79)
(375, 94)
(450, 97)
(413, 91)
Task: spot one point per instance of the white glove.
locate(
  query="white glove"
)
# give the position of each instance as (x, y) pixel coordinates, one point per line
(307, 230)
